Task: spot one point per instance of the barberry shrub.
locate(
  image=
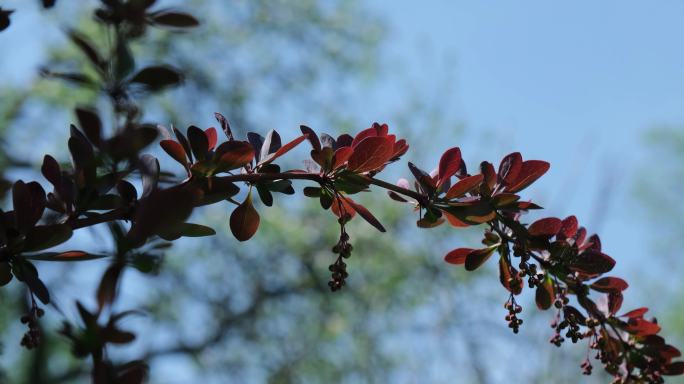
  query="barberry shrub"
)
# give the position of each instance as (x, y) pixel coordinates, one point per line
(565, 268)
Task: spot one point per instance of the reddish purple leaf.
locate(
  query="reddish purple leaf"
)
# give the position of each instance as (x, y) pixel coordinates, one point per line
(457, 256)
(641, 327)
(545, 294)
(545, 227)
(568, 227)
(614, 302)
(212, 137)
(449, 164)
(373, 131)
(530, 171)
(370, 154)
(593, 263)
(609, 284)
(233, 154)
(487, 170)
(510, 167)
(477, 257)
(365, 213)
(175, 150)
(244, 221)
(639, 312)
(341, 156)
(508, 276)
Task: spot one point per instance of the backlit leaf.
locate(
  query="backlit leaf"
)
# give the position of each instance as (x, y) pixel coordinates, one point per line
(244, 221)
(311, 136)
(544, 294)
(530, 171)
(370, 154)
(510, 167)
(365, 213)
(609, 284)
(457, 256)
(547, 227)
(233, 154)
(175, 150)
(464, 186)
(449, 164)
(477, 257)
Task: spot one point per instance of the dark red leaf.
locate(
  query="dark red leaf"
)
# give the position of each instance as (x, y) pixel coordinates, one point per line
(594, 243)
(593, 263)
(341, 156)
(477, 257)
(674, 369)
(545, 227)
(400, 147)
(423, 178)
(580, 236)
(233, 154)
(464, 186)
(162, 209)
(311, 136)
(425, 223)
(363, 212)
(344, 140)
(487, 170)
(568, 227)
(370, 154)
(184, 142)
(375, 130)
(457, 256)
(244, 221)
(545, 294)
(639, 312)
(212, 137)
(339, 207)
(609, 284)
(530, 171)
(454, 221)
(449, 164)
(641, 327)
(510, 167)
(614, 302)
(508, 276)
(175, 150)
